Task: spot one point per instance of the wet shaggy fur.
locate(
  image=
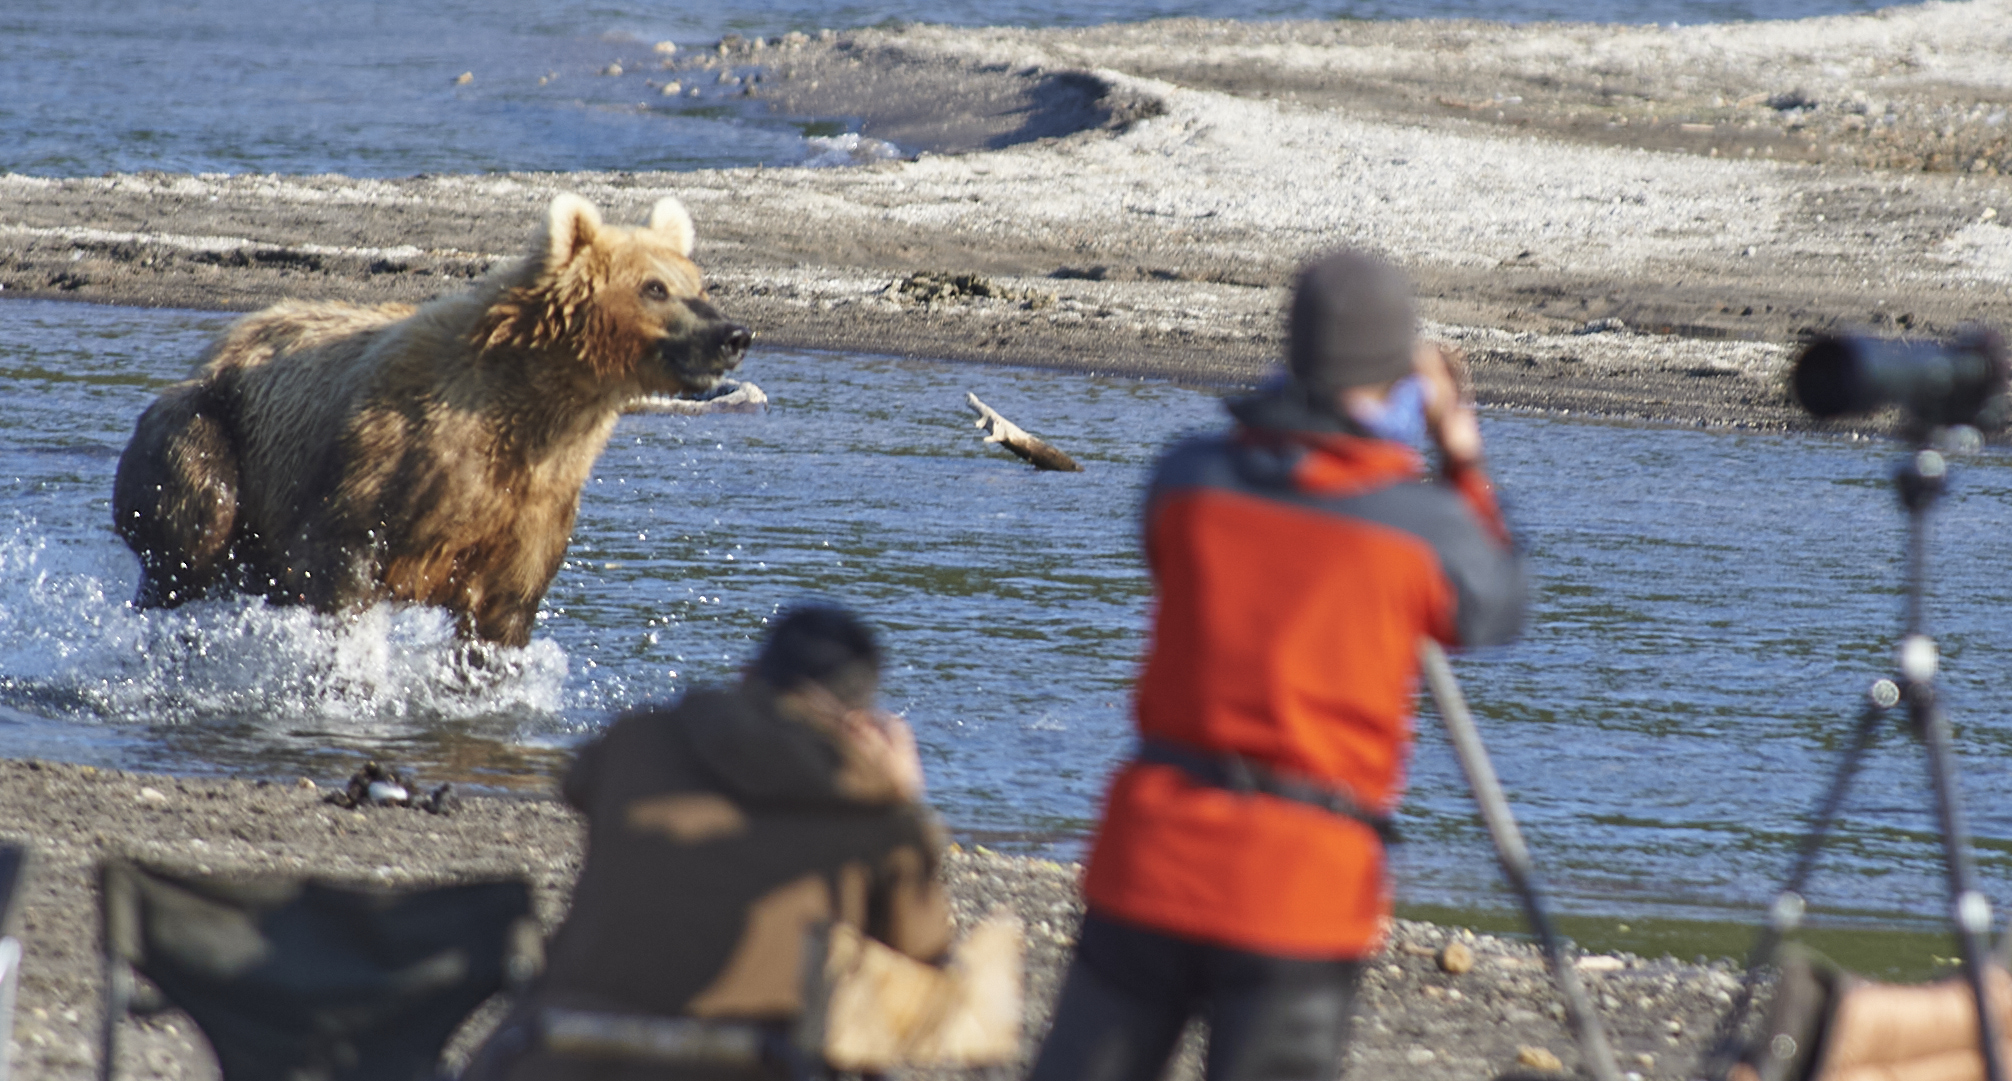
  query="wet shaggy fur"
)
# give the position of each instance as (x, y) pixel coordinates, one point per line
(334, 455)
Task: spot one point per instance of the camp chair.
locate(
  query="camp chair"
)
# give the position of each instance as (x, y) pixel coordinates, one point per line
(12, 857)
(306, 980)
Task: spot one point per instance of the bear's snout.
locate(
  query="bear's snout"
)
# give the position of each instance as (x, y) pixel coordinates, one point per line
(734, 340)
(725, 344)
(721, 347)
(710, 350)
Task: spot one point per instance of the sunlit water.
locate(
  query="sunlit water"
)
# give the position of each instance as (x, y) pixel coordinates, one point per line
(1709, 610)
(370, 87)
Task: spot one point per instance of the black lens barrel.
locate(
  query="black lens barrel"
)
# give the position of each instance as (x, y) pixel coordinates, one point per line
(1939, 383)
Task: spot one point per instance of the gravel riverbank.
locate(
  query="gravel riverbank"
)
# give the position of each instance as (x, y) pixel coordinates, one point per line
(1415, 1020)
(1633, 221)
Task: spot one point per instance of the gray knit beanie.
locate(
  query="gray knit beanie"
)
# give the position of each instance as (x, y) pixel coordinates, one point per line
(1352, 324)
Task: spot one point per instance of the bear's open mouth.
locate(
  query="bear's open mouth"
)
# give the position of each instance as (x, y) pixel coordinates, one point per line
(696, 375)
(720, 388)
(697, 384)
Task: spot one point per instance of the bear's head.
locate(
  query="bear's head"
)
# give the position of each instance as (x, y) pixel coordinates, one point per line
(627, 303)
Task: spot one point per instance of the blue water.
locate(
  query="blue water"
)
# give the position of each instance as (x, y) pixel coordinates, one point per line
(1709, 608)
(368, 87)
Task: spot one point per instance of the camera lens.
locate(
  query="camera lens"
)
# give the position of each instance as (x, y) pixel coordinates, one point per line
(1938, 383)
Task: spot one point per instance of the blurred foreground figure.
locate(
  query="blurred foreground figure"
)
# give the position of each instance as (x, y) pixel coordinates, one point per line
(1826, 1025)
(724, 834)
(1239, 871)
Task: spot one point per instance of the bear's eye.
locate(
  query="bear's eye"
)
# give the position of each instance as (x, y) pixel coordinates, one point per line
(656, 290)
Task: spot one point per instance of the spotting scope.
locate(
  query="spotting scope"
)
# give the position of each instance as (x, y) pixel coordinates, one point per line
(1938, 383)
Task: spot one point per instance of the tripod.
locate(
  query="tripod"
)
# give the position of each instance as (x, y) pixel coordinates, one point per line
(1920, 480)
(1515, 859)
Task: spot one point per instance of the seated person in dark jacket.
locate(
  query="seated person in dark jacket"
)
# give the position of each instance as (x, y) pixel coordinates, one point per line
(720, 830)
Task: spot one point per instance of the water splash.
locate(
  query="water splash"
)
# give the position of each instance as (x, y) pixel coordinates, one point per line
(72, 647)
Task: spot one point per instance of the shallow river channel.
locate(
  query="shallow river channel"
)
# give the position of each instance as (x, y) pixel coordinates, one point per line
(1709, 609)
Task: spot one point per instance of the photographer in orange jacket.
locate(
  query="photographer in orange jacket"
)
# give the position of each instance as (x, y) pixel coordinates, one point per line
(1298, 558)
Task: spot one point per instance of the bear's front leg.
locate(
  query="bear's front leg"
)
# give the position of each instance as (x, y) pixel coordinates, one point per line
(503, 624)
(175, 497)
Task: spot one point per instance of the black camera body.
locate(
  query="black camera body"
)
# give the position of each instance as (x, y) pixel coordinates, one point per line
(1960, 381)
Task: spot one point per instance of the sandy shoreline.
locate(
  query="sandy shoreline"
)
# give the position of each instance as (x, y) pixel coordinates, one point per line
(1414, 1021)
(1631, 221)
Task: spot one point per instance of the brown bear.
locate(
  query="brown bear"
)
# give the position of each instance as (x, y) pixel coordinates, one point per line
(336, 455)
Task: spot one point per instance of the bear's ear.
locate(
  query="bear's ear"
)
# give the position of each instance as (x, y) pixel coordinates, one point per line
(570, 225)
(670, 218)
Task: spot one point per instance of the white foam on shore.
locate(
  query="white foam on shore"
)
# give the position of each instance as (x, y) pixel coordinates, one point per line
(851, 148)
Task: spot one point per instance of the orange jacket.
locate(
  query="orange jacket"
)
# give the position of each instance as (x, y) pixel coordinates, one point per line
(1296, 569)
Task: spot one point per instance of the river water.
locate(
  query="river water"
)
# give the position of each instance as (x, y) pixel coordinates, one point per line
(1709, 608)
(371, 87)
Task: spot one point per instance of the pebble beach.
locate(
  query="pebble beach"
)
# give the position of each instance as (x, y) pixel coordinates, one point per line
(1419, 1017)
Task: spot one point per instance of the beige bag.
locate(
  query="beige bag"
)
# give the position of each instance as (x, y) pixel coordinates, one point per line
(869, 1008)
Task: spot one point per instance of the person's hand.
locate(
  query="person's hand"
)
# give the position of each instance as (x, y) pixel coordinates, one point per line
(1449, 411)
(886, 741)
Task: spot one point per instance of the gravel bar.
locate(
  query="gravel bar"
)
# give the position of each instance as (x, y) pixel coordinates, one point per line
(1416, 1019)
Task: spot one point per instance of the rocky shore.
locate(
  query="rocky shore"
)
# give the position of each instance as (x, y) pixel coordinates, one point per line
(1631, 221)
(1416, 1018)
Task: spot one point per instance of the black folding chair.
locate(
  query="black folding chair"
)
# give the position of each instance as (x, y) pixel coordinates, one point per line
(306, 980)
(12, 860)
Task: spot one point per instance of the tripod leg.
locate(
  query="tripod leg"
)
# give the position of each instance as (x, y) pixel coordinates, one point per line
(1515, 857)
(1968, 907)
(1788, 904)
(1921, 480)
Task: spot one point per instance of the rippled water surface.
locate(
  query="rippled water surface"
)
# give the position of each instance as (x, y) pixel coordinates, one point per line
(1709, 608)
(368, 87)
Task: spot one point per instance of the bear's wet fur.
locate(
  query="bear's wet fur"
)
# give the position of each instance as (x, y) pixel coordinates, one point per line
(336, 455)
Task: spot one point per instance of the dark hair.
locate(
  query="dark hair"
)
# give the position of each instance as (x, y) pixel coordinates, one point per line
(821, 644)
